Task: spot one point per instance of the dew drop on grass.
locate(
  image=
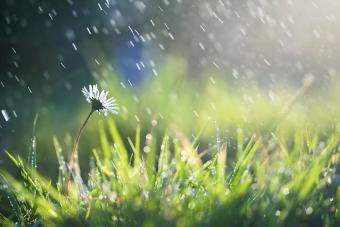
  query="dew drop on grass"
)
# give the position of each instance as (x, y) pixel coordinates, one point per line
(193, 191)
(322, 145)
(164, 175)
(329, 180)
(309, 210)
(148, 136)
(146, 149)
(285, 191)
(4, 186)
(277, 213)
(183, 158)
(281, 170)
(327, 202)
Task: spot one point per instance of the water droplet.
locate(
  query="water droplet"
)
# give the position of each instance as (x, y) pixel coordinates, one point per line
(285, 191)
(309, 210)
(148, 136)
(146, 149)
(74, 46)
(277, 213)
(5, 115)
(154, 123)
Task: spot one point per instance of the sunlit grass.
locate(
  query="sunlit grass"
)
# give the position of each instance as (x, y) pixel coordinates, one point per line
(269, 183)
(189, 153)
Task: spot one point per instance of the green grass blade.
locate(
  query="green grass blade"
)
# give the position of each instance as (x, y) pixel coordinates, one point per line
(105, 145)
(137, 147)
(32, 155)
(118, 140)
(221, 164)
(314, 173)
(62, 165)
(242, 164)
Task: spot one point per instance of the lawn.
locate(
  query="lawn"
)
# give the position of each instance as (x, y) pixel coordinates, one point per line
(185, 152)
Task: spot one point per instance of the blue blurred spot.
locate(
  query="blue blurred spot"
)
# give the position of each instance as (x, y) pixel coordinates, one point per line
(128, 57)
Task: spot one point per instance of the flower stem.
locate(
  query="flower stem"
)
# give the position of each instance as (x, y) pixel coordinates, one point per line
(74, 160)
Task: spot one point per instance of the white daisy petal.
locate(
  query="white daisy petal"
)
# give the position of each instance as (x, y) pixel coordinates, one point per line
(99, 100)
(90, 90)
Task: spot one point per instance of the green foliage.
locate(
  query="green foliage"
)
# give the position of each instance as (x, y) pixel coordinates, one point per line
(261, 187)
(250, 160)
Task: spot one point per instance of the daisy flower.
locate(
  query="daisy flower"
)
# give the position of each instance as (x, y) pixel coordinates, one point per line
(99, 100)
(100, 103)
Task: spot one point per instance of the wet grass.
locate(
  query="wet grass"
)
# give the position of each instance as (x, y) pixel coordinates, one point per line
(228, 159)
(269, 183)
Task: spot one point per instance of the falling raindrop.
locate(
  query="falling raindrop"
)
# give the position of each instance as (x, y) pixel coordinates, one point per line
(5, 115)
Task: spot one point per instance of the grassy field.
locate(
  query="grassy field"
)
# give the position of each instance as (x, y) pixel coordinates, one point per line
(188, 152)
